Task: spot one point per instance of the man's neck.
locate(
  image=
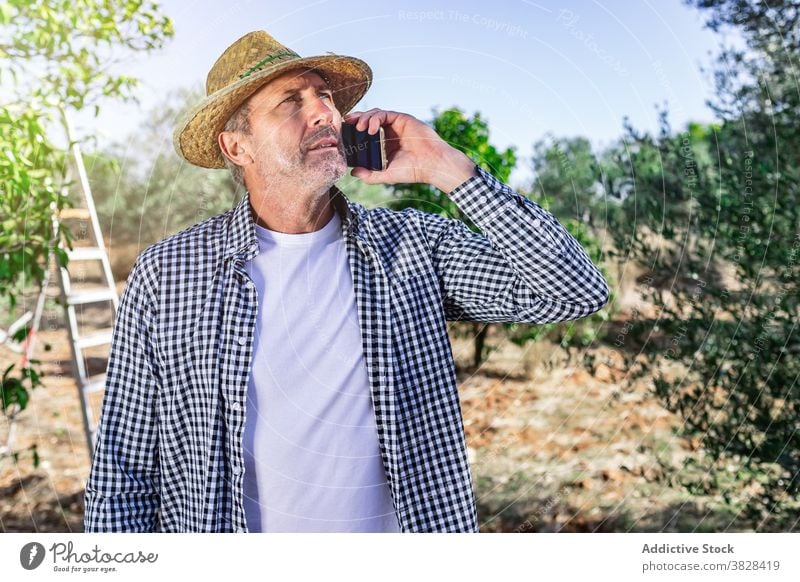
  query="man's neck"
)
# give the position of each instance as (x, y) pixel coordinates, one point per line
(291, 212)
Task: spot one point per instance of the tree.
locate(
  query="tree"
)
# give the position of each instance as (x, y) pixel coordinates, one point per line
(53, 55)
(714, 222)
(569, 175)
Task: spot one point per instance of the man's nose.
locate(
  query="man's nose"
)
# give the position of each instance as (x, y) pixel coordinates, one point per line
(321, 112)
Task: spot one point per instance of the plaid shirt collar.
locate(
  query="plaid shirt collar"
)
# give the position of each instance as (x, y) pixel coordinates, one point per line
(241, 234)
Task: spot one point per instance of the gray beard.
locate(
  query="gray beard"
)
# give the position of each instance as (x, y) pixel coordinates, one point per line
(304, 191)
(319, 176)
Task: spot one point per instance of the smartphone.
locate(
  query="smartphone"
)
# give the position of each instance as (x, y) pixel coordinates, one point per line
(363, 150)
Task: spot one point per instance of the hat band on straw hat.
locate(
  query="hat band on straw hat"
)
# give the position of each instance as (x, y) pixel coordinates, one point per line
(260, 64)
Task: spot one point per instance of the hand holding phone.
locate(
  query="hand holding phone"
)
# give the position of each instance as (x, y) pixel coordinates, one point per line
(413, 153)
(363, 150)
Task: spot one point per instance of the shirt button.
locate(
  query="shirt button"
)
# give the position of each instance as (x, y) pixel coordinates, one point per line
(482, 198)
(239, 530)
(537, 223)
(237, 471)
(253, 248)
(242, 341)
(236, 406)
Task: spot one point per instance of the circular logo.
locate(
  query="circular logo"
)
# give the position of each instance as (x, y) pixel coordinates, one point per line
(31, 555)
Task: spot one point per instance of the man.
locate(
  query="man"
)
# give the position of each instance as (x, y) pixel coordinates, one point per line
(285, 366)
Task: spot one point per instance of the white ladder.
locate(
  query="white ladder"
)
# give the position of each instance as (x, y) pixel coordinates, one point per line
(72, 298)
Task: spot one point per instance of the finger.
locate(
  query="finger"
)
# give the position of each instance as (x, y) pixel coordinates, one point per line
(386, 118)
(375, 122)
(354, 116)
(364, 119)
(363, 174)
(374, 176)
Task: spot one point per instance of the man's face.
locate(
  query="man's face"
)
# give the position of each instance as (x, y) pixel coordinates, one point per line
(295, 131)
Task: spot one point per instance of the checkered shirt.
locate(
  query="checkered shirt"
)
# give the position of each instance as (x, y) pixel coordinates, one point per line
(168, 454)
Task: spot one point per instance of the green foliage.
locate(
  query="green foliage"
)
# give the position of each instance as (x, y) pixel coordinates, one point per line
(16, 391)
(30, 193)
(14, 398)
(33, 449)
(710, 214)
(57, 52)
(569, 175)
(54, 55)
(714, 223)
(722, 266)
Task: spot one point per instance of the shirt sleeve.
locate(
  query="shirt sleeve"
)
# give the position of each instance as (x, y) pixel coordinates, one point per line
(122, 493)
(524, 267)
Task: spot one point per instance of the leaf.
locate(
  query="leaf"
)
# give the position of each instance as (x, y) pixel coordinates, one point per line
(7, 372)
(62, 257)
(5, 13)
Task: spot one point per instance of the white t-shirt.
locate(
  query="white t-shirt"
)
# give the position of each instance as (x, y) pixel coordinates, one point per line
(312, 462)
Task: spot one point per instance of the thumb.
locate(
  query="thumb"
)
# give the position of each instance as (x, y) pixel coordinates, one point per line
(365, 175)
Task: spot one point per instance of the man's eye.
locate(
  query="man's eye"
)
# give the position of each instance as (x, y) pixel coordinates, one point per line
(294, 97)
(297, 98)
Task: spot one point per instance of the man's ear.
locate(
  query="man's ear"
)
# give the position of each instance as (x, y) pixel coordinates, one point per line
(234, 148)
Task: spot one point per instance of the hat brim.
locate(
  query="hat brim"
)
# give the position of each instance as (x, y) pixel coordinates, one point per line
(195, 135)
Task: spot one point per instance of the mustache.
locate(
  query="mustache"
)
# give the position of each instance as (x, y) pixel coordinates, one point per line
(319, 134)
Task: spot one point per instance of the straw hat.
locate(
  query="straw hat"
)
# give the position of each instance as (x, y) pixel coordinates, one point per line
(244, 67)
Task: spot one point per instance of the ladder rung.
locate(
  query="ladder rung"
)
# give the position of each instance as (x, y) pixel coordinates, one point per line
(92, 296)
(74, 213)
(95, 339)
(86, 254)
(94, 384)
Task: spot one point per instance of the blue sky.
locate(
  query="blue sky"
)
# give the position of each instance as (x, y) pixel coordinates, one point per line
(530, 68)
